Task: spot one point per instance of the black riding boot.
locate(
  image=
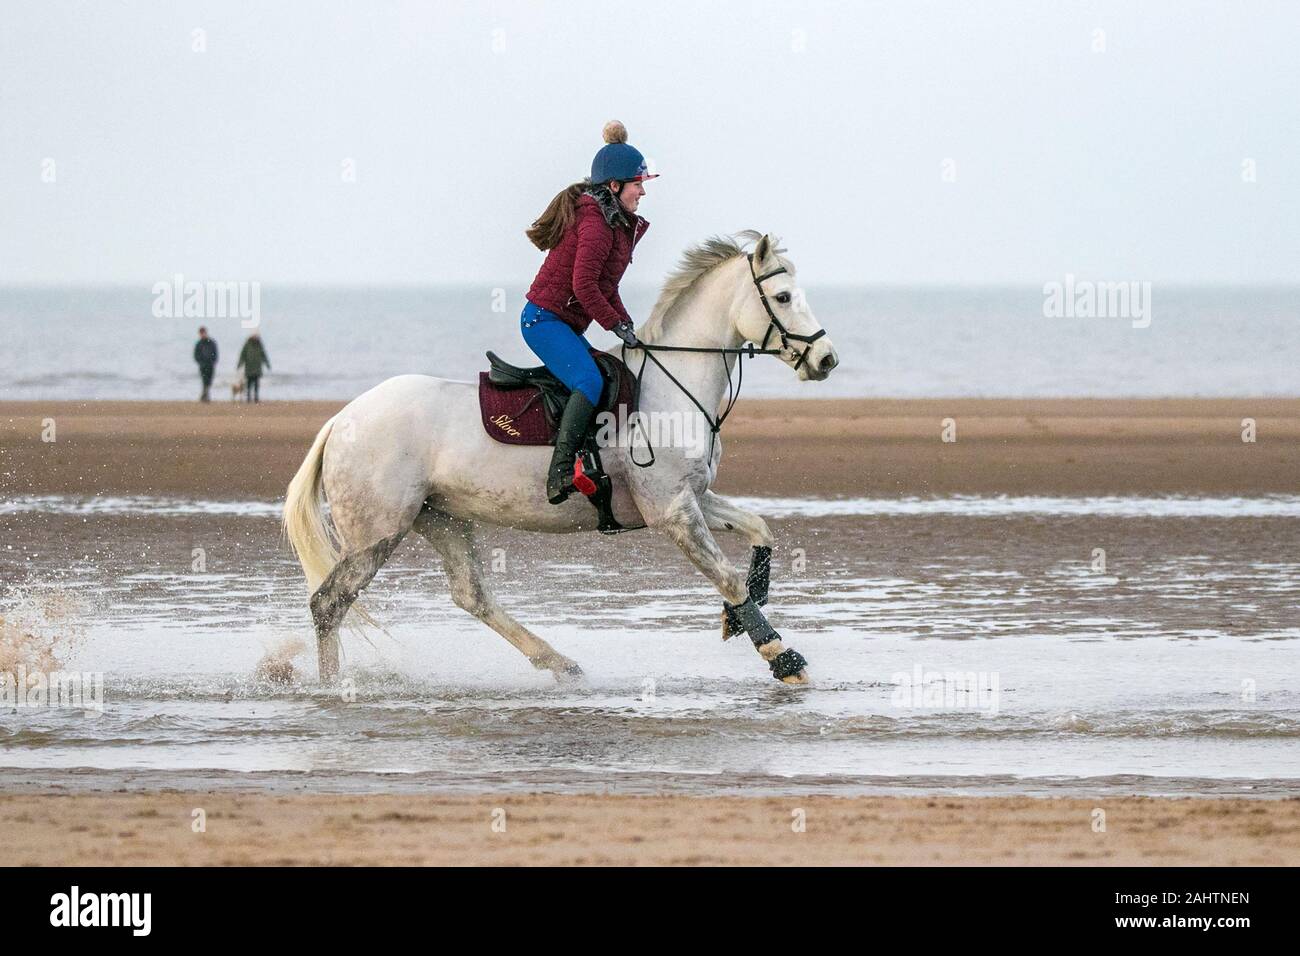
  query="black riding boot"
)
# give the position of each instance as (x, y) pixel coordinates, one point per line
(573, 428)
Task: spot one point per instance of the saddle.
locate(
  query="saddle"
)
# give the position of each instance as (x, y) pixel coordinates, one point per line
(523, 406)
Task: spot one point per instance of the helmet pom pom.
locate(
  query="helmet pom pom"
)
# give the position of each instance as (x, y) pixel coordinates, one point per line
(615, 132)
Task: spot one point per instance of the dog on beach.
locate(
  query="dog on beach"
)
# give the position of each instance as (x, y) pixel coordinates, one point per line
(236, 389)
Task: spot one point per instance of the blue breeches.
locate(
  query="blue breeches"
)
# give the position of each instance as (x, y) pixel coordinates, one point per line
(562, 350)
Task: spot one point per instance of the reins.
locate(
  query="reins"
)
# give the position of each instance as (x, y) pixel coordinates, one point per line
(748, 348)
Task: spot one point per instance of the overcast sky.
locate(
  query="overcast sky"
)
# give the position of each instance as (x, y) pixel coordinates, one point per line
(831, 124)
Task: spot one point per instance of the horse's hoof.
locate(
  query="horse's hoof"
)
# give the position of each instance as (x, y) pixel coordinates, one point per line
(567, 673)
(788, 666)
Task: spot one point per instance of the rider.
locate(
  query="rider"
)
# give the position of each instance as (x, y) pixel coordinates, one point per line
(588, 233)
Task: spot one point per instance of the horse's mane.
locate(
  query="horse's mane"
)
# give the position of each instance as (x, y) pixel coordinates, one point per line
(695, 263)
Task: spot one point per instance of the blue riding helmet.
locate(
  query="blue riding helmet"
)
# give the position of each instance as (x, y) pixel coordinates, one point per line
(617, 159)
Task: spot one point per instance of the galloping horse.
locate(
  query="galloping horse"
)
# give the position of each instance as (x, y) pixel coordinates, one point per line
(412, 453)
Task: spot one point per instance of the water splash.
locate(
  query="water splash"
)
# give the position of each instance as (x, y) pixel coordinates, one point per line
(40, 629)
(276, 665)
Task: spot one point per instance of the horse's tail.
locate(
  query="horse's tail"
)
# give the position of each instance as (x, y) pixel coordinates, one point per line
(304, 519)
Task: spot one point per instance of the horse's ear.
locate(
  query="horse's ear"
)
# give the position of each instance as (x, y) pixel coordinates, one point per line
(763, 249)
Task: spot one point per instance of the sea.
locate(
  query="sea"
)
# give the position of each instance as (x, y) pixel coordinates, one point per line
(108, 343)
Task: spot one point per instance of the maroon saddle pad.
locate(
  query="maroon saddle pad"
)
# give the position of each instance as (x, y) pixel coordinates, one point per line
(516, 411)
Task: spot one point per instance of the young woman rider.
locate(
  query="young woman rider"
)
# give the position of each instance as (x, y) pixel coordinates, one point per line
(588, 233)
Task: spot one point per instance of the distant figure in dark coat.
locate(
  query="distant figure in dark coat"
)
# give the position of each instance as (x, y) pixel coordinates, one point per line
(251, 358)
(205, 353)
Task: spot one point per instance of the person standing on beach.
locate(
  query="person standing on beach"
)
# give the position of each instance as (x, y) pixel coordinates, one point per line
(251, 358)
(205, 353)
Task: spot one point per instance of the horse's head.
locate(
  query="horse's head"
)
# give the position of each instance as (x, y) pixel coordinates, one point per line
(774, 312)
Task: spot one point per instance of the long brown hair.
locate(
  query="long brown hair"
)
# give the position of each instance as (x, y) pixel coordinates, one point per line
(551, 225)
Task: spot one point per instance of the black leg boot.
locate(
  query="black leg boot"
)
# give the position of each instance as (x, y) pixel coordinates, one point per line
(572, 429)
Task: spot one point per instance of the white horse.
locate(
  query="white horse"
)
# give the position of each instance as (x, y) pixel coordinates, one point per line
(412, 453)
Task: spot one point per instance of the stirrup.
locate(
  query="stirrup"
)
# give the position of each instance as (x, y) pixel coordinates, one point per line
(589, 478)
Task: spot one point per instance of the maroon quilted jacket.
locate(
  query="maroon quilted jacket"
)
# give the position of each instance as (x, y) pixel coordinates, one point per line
(579, 279)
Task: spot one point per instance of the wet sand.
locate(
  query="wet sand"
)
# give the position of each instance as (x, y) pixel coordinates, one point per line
(542, 829)
(771, 447)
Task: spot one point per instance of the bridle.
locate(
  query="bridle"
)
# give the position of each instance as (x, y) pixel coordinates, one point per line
(786, 335)
(733, 394)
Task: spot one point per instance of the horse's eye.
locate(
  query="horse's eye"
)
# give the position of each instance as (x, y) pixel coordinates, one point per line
(783, 298)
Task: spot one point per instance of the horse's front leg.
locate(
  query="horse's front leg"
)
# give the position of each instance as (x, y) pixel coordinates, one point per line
(723, 515)
(685, 522)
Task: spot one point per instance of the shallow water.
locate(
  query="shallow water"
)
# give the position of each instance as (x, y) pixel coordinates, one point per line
(1170, 670)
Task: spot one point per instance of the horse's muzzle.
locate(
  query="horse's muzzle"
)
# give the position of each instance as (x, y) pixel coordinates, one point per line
(820, 366)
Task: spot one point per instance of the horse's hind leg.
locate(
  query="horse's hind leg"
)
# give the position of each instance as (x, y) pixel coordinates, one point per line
(336, 594)
(454, 540)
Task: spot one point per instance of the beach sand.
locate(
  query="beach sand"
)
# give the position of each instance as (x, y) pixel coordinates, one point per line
(786, 448)
(250, 829)
(843, 447)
